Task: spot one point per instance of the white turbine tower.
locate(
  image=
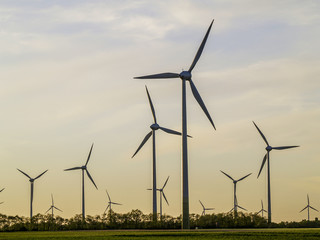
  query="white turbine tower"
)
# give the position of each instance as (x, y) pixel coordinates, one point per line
(52, 207)
(185, 76)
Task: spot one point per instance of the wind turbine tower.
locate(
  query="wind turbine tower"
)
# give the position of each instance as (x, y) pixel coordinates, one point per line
(154, 127)
(267, 158)
(235, 201)
(31, 180)
(186, 76)
(84, 169)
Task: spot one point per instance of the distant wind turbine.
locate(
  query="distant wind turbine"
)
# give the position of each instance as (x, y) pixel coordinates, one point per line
(262, 209)
(31, 180)
(267, 158)
(1, 191)
(204, 209)
(52, 207)
(110, 204)
(237, 206)
(162, 195)
(235, 202)
(186, 76)
(308, 207)
(84, 169)
(155, 126)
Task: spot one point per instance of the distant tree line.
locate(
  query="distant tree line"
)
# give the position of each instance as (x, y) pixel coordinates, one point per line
(137, 220)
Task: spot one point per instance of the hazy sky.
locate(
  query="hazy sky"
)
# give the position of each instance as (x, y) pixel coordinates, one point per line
(66, 76)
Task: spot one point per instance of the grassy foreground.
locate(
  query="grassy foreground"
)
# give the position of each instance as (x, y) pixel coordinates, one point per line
(226, 234)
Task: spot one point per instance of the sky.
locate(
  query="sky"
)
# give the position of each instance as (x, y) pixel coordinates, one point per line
(66, 73)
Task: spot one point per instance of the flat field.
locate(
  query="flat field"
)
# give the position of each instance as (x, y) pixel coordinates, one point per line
(225, 234)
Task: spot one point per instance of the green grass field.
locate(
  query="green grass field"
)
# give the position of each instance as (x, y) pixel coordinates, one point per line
(227, 234)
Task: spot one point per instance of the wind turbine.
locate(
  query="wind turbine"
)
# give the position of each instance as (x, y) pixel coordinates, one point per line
(1, 191)
(235, 202)
(237, 206)
(267, 158)
(204, 209)
(31, 180)
(186, 76)
(110, 203)
(155, 126)
(162, 195)
(308, 207)
(262, 209)
(84, 169)
(52, 207)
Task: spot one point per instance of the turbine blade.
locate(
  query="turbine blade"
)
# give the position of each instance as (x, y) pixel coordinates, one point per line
(150, 189)
(108, 195)
(41, 174)
(75, 168)
(244, 177)
(91, 179)
(116, 203)
(160, 75)
(304, 209)
(89, 154)
(165, 197)
(259, 211)
(227, 175)
(199, 100)
(2, 189)
(48, 210)
(242, 208)
(151, 106)
(284, 147)
(52, 200)
(313, 208)
(209, 208)
(201, 204)
(196, 58)
(264, 210)
(165, 182)
(23, 173)
(170, 131)
(263, 162)
(58, 209)
(106, 209)
(308, 199)
(142, 143)
(264, 138)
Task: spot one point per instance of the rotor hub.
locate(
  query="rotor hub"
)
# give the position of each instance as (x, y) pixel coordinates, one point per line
(155, 126)
(185, 75)
(269, 148)
(83, 167)
(31, 180)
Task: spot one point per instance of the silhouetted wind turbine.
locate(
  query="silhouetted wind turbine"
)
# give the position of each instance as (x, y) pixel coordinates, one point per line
(235, 202)
(267, 158)
(262, 209)
(1, 191)
(308, 207)
(237, 205)
(52, 207)
(155, 126)
(109, 204)
(84, 169)
(162, 195)
(186, 76)
(31, 180)
(204, 209)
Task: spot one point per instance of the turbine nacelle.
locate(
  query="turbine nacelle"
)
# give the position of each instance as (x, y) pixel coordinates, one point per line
(268, 148)
(185, 75)
(31, 180)
(83, 167)
(155, 126)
